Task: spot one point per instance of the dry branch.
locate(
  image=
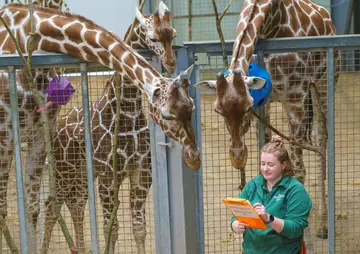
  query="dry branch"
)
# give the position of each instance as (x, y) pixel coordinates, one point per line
(218, 27)
(44, 120)
(292, 141)
(114, 164)
(118, 81)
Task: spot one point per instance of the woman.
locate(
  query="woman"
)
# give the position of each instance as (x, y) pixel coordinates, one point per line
(281, 202)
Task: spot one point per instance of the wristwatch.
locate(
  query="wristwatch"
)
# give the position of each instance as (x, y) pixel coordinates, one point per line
(271, 219)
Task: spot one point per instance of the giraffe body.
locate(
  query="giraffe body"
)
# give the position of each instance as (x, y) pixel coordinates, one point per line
(292, 77)
(59, 32)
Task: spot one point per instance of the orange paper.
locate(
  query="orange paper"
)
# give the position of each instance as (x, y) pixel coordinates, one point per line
(244, 212)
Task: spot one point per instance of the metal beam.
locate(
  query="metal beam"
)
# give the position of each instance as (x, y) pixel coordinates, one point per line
(298, 44)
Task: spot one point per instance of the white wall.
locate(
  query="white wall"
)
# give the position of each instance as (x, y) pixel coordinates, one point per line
(114, 15)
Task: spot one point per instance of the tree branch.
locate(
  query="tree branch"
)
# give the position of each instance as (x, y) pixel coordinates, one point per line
(114, 164)
(219, 30)
(225, 10)
(293, 142)
(44, 119)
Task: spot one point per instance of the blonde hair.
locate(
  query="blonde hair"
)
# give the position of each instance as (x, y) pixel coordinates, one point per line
(276, 147)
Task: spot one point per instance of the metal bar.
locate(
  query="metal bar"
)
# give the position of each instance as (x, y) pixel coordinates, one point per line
(331, 147)
(160, 185)
(199, 174)
(261, 110)
(183, 194)
(187, 56)
(18, 164)
(88, 157)
(314, 43)
(160, 189)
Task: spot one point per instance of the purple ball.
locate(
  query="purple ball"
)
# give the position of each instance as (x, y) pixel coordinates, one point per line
(59, 90)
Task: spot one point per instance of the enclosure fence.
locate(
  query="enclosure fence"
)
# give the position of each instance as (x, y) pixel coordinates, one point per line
(184, 212)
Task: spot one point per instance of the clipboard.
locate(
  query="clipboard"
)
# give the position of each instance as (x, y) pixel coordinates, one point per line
(244, 212)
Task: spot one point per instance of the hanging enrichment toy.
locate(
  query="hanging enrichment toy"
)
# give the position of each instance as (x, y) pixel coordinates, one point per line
(59, 92)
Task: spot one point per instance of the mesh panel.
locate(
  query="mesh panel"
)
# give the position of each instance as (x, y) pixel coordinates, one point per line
(221, 180)
(69, 149)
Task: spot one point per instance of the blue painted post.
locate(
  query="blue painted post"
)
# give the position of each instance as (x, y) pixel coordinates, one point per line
(260, 55)
(160, 185)
(88, 158)
(185, 189)
(160, 188)
(331, 147)
(18, 165)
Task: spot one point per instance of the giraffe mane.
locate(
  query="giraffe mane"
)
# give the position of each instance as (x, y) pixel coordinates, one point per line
(90, 23)
(128, 32)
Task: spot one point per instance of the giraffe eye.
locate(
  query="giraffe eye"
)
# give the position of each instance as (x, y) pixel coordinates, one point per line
(166, 115)
(217, 111)
(154, 40)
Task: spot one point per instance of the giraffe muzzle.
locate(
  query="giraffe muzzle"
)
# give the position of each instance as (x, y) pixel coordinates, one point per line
(238, 157)
(191, 156)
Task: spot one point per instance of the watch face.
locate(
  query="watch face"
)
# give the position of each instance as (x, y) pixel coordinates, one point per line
(271, 218)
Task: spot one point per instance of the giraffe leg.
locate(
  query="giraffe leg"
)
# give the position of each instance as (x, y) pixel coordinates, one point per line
(5, 163)
(106, 193)
(50, 219)
(76, 202)
(319, 139)
(35, 162)
(140, 182)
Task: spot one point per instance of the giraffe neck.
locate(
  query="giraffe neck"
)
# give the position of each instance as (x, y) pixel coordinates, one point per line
(59, 32)
(275, 19)
(138, 37)
(55, 4)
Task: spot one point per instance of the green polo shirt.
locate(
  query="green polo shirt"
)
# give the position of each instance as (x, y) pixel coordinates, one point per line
(288, 200)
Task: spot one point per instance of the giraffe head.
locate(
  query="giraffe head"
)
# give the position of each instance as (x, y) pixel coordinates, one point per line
(233, 102)
(156, 33)
(171, 107)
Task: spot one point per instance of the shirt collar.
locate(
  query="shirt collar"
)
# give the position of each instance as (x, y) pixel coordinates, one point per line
(283, 182)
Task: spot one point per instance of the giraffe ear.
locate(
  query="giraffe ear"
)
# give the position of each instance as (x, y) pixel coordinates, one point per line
(255, 83)
(140, 17)
(153, 93)
(206, 86)
(164, 11)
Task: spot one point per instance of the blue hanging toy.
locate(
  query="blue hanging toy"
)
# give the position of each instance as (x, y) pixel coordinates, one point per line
(262, 95)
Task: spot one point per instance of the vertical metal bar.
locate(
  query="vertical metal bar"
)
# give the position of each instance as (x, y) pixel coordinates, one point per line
(199, 174)
(331, 147)
(160, 189)
(89, 165)
(196, 123)
(160, 185)
(18, 165)
(183, 192)
(261, 62)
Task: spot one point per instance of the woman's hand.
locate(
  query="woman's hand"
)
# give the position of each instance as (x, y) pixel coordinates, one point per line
(238, 227)
(261, 211)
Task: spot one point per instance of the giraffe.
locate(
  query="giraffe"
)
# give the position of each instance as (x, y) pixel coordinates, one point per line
(54, 4)
(274, 19)
(59, 32)
(134, 143)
